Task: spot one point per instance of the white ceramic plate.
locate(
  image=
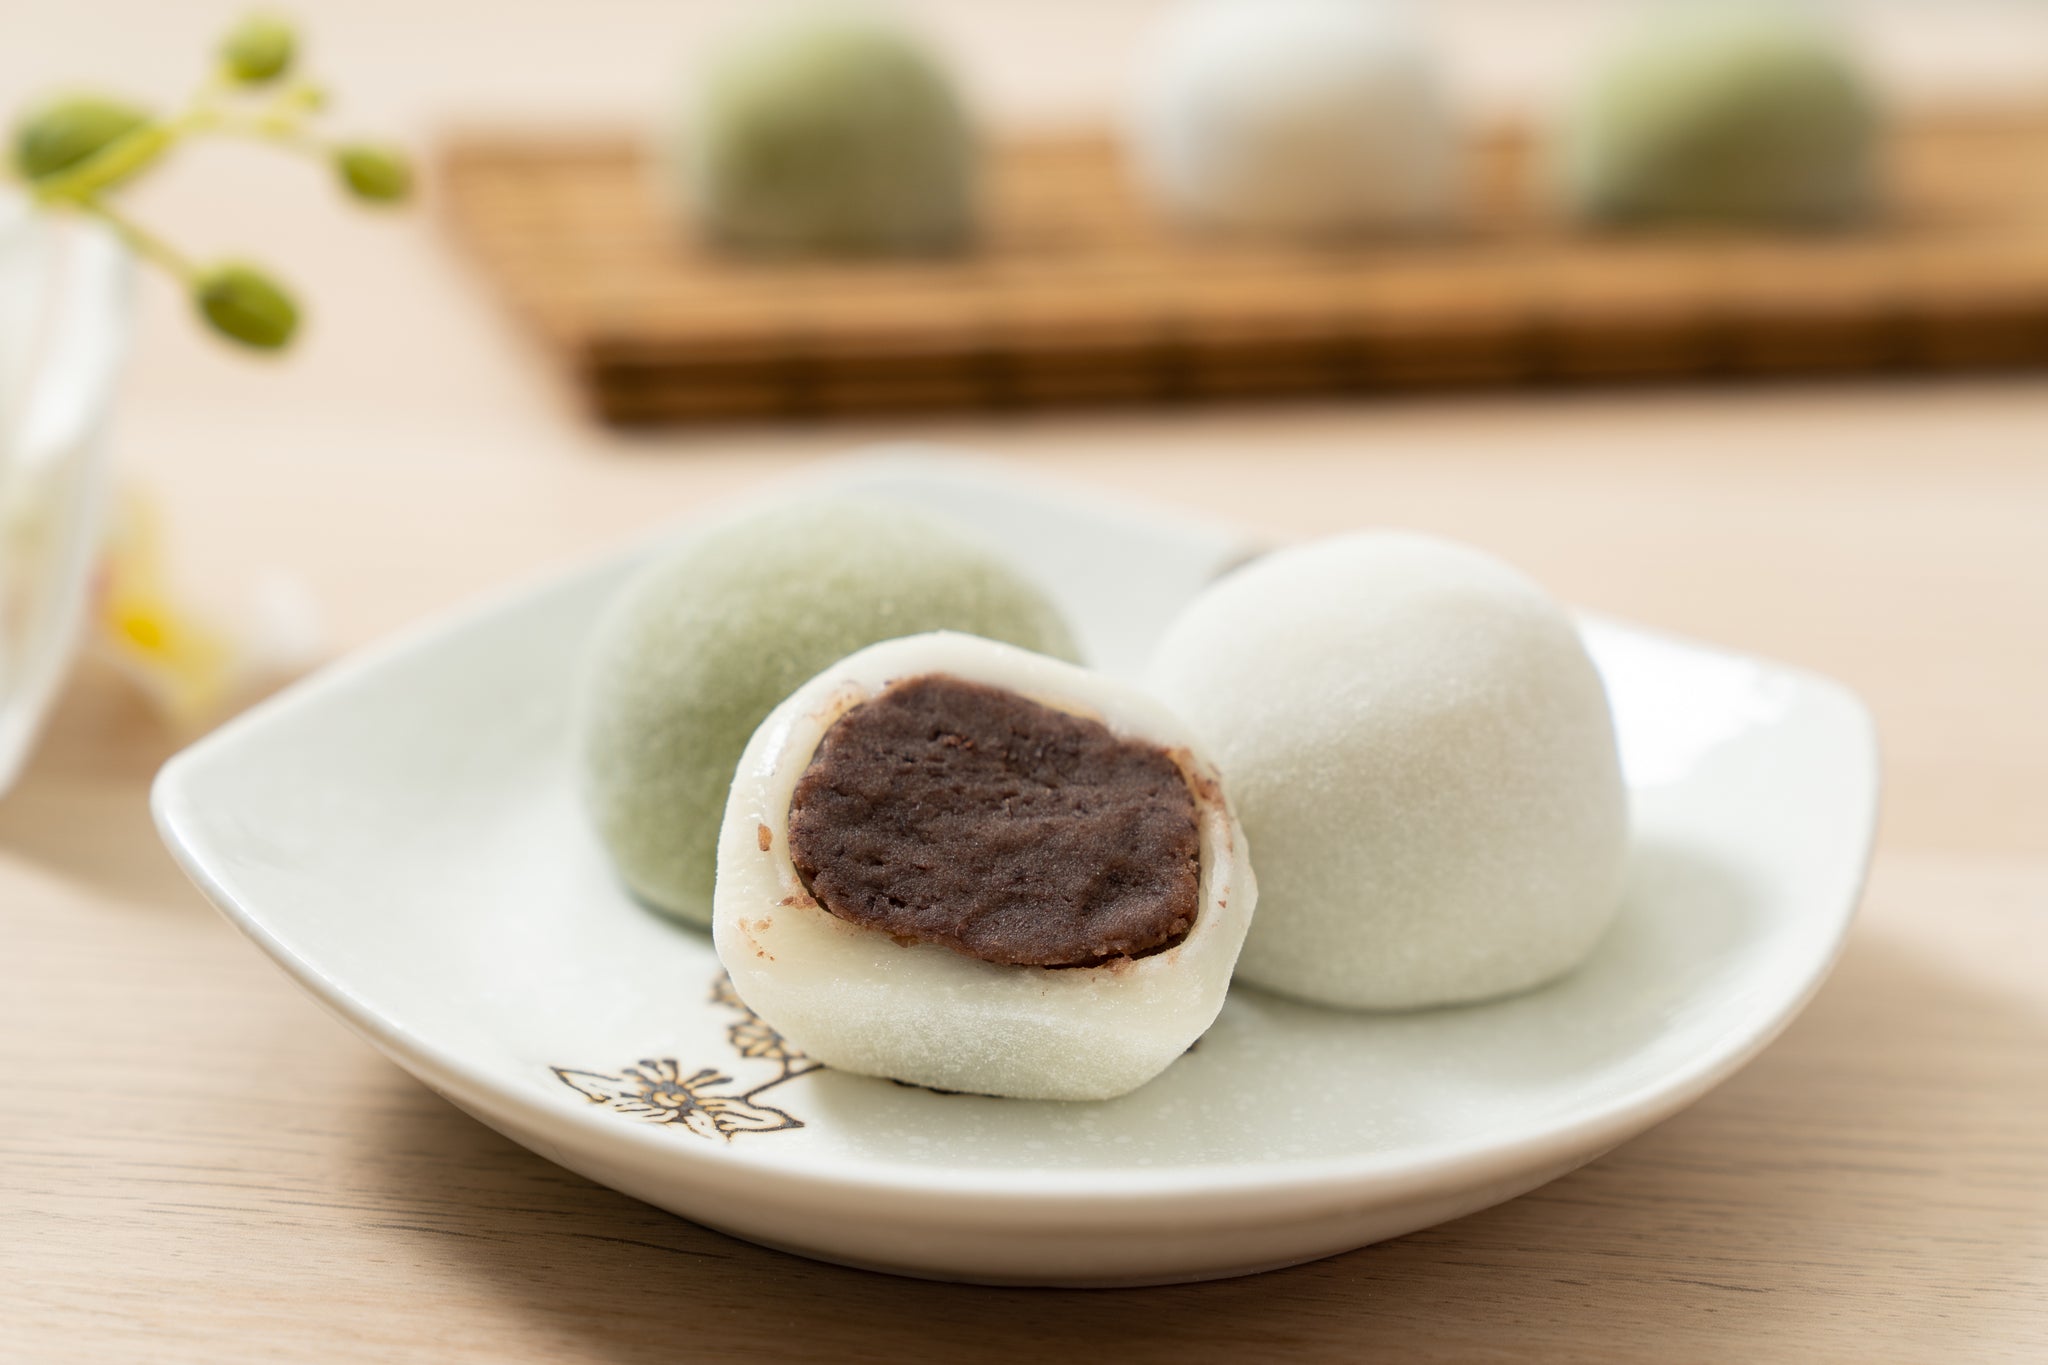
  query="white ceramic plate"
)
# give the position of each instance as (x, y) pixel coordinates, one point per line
(401, 833)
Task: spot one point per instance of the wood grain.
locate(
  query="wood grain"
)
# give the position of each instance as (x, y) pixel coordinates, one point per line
(1080, 293)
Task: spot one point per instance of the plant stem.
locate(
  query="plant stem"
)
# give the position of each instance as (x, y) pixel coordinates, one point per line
(141, 241)
(289, 139)
(118, 160)
(281, 118)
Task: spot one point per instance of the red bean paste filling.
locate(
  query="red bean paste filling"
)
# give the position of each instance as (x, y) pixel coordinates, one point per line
(951, 812)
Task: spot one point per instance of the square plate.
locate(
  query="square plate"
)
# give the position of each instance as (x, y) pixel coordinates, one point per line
(401, 833)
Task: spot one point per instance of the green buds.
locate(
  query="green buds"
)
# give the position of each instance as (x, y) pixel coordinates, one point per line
(68, 131)
(258, 49)
(377, 174)
(245, 305)
(73, 152)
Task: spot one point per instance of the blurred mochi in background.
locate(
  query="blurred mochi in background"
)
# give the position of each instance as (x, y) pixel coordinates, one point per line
(829, 130)
(1741, 112)
(1295, 118)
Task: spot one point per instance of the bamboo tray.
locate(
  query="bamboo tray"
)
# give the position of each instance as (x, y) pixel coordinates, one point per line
(1080, 294)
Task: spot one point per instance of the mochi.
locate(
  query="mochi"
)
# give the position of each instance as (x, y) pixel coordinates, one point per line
(1294, 118)
(829, 132)
(1732, 112)
(885, 1004)
(701, 644)
(1424, 761)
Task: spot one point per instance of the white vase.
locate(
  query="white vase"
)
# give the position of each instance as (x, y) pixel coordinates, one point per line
(64, 320)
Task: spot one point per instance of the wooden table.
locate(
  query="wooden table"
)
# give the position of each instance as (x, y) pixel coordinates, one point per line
(196, 1164)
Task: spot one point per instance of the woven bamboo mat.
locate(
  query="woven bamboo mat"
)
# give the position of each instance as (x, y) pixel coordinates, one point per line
(1080, 294)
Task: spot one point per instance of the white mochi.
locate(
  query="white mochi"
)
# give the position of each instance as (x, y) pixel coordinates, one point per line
(1424, 760)
(1294, 118)
(857, 1000)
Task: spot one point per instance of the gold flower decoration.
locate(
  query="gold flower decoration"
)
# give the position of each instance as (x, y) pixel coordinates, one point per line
(655, 1090)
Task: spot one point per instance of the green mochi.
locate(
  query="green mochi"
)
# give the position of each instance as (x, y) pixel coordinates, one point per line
(831, 134)
(701, 645)
(1724, 112)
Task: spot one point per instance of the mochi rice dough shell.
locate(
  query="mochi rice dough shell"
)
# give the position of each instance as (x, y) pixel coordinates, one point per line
(1724, 111)
(1296, 118)
(826, 130)
(857, 999)
(1424, 761)
(709, 637)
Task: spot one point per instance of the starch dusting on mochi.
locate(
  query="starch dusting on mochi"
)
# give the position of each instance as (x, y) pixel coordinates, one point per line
(1424, 761)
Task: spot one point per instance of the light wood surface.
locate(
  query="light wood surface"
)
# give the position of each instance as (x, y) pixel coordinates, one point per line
(197, 1164)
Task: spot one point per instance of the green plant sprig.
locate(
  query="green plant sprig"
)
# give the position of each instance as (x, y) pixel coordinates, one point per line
(75, 150)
